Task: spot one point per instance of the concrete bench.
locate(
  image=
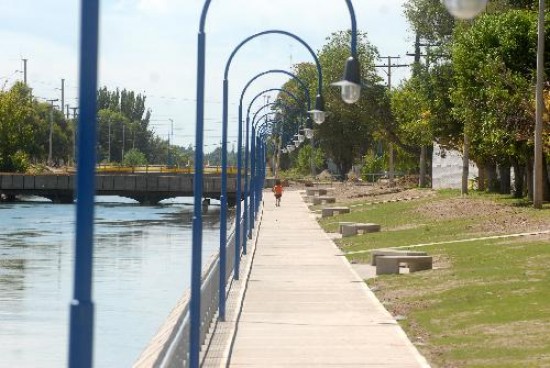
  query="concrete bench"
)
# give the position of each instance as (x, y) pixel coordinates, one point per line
(354, 229)
(386, 265)
(312, 192)
(375, 253)
(341, 224)
(321, 199)
(330, 211)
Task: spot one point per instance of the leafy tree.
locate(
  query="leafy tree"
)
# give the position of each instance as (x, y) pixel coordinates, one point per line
(134, 158)
(429, 18)
(20, 125)
(494, 62)
(348, 132)
(308, 156)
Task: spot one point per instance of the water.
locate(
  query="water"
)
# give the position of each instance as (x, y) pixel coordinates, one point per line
(141, 269)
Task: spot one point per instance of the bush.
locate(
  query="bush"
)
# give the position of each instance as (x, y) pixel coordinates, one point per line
(372, 165)
(20, 162)
(134, 157)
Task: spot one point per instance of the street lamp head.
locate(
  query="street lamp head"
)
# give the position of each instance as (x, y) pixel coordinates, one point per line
(301, 138)
(465, 9)
(318, 114)
(308, 132)
(351, 82)
(297, 144)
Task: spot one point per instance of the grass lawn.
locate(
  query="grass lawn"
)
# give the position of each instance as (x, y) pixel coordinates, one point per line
(486, 303)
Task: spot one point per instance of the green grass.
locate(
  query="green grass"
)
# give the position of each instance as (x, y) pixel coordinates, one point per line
(485, 304)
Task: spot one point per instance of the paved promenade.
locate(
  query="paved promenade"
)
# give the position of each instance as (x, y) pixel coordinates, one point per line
(304, 306)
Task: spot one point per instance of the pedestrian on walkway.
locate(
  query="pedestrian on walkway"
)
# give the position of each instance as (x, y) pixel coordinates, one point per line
(278, 190)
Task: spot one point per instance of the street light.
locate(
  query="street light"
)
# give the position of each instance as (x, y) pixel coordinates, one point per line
(465, 9)
(318, 114)
(351, 82)
(308, 132)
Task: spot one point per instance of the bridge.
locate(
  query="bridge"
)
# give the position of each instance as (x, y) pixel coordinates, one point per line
(146, 188)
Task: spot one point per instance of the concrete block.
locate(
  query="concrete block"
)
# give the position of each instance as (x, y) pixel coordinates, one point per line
(393, 252)
(330, 211)
(390, 264)
(315, 192)
(356, 228)
(341, 224)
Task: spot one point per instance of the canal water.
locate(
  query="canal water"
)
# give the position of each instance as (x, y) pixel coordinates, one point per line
(141, 269)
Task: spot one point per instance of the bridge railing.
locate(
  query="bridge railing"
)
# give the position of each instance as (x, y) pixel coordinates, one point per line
(174, 350)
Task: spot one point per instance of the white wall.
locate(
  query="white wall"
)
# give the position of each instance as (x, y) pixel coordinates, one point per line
(447, 168)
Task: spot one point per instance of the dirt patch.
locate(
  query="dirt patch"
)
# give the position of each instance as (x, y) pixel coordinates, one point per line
(494, 218)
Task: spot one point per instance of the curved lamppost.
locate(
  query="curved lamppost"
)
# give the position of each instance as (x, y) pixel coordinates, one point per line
(196, 258)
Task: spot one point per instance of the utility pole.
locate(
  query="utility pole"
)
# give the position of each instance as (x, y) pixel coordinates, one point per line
(123, 139)
(538, 180)
(389, 65)
(68, 113)
(25, 71)
(109, 145)
(50, 149)
(62, 94)
(170, 139)
(423, 149)
(74, 133)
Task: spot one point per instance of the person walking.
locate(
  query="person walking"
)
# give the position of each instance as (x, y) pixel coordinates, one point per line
(278, 191)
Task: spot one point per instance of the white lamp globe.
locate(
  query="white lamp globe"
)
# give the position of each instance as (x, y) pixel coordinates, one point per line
(351, 92)
(301, 138)
(318, 116)
(308, 132)
(465, 9)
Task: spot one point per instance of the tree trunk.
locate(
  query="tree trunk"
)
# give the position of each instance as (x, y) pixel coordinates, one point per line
(492, 180)
(504, 175)
(529, 174)
(465, 164)
(545, 180)
(519, 173)
(481, 182)
(391, 174)
(422, 178)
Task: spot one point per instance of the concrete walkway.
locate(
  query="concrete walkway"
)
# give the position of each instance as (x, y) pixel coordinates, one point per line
(304, 306)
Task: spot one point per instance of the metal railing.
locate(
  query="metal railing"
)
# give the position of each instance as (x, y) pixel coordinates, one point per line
(175, 353)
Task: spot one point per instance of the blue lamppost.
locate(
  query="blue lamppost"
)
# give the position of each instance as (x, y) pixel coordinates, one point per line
(196, 259)
(82, 307)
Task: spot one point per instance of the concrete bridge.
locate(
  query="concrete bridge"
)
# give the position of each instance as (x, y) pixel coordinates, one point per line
(147, 189)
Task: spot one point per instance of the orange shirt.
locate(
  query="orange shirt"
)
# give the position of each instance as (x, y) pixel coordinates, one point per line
(278, 189)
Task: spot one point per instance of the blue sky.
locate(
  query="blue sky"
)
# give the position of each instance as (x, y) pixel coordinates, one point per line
(149, 46)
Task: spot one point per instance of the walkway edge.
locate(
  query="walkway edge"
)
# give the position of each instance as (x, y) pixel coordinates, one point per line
(419, 357)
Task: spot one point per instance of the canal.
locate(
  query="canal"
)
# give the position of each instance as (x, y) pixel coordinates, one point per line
(141, 269)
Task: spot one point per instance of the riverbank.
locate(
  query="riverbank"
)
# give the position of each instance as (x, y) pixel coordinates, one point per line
(484, 303)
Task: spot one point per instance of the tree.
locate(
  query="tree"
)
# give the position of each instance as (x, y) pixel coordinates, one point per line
(20, 126)
(349, 130)
(494, 62)
(134, 158)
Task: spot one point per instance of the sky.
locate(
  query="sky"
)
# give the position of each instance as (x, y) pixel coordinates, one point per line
(150, 47)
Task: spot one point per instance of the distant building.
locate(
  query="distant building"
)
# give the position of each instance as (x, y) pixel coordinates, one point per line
(447, 168)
